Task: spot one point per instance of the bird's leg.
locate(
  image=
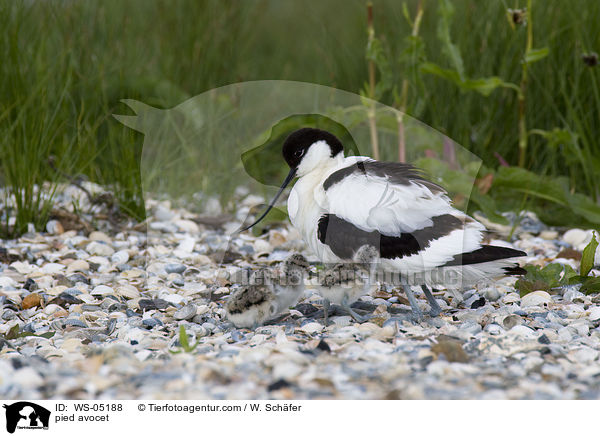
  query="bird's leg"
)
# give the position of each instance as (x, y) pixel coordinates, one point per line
(417, 315)
(326, 311)
(435, 307)
(353, 314)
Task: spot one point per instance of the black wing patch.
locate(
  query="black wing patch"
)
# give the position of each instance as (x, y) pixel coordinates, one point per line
(488, 253)
(395, 172)
(344, 238)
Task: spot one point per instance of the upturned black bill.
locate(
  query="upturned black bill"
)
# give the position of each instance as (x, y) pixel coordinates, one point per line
(286, 182)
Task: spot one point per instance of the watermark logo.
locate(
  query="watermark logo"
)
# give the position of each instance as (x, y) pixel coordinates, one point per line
(24, 415)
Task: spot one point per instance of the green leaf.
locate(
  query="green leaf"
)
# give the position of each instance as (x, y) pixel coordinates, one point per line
(46, 335)
(487, 204)
(543, 279)
(554, 189)
(446, 13)
(536, 54)
(591, 285)
(13, 333)
(450, 75)
(183, 339)
(406, 14)
(587, 258)
(525, 286)
(484, 86)
(376, 54)
(275, 215)
(577, 279)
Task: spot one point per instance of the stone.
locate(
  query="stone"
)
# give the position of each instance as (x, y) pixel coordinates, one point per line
(536, 298)
(186, 312)
(120, 257)
(176, 268)
(102, 290)
(594, 313)
(54, 227)
(99, 249)
(100, 236)
(31, 300)
(451, 349)
(576, 237)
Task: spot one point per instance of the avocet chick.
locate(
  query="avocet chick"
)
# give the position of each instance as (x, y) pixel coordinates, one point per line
(345, 283)
(268, 294)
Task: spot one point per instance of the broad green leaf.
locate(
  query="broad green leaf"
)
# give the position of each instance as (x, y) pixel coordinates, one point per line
(488, 206)
(587, 258)
(263, 162)
(13, 333)
(525, 286)
(576, 279)
(554, 189)
(275, 215)
(535, 55)
(519, 179)
(484, 86)
(543, 279)
(46, 335)
(591, 285)
(585, 207)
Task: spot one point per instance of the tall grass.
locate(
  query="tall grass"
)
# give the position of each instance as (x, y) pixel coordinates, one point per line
(65, 65)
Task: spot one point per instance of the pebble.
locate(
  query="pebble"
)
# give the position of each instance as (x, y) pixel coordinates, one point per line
(186, 312)
(114, 303)
(102, 290)
(536, 298)
(577, 238)
(74, 323)
(151, 323)
(176, 268)
(78, 265)
(127, 291)
(594, 313)
(311, 328)
(100, 236)
(31, 300)
(120, 257)
(54, 227)
(99, 249)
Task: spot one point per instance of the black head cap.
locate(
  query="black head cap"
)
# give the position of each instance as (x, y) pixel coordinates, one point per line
(296, 145)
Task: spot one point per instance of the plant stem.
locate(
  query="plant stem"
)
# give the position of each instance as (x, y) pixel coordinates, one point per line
(372, 122)
(404, 95)
(523, 87)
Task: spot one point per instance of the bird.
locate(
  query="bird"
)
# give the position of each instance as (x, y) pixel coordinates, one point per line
(339, 204)
(268, 293)
(344, 283)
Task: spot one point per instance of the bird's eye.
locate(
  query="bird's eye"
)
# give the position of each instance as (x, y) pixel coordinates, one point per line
(298, 153)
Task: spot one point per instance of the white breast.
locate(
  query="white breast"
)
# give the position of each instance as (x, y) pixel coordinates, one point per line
(305, 212)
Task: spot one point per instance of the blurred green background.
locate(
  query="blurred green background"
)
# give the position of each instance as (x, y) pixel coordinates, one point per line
(65, 66)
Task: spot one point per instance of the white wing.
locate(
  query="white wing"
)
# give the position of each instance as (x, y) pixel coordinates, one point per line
(376, 203)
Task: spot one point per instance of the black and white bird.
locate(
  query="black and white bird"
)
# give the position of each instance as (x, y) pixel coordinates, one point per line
(345, 282)
(340, 204)
(268, 293)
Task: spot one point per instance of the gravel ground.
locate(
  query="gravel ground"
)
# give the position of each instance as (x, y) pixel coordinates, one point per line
(96, 314)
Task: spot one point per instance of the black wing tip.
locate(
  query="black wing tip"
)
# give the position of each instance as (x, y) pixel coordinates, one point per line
(515, 271)
(487, 253)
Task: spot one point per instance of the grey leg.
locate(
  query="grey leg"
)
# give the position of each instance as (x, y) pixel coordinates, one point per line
(435, 307)
(326, 311)
(353, 314)
(417, 315)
